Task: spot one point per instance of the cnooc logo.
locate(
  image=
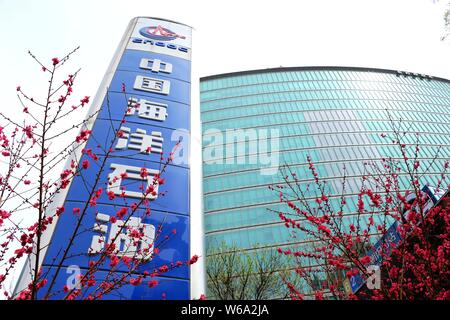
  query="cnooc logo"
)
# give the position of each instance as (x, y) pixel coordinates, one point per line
(159, 33)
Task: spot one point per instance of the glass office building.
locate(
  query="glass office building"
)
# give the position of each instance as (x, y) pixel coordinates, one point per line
(335, 115)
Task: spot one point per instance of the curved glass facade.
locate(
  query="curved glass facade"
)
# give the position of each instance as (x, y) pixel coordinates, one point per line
(334, 115)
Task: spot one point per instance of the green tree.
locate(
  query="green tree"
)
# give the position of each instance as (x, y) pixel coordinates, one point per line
(259, 274)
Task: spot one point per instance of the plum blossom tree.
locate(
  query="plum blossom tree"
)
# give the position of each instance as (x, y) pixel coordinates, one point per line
(41, 156)
(394, 234)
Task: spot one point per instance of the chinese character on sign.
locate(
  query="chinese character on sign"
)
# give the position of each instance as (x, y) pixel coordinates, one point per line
(140, 140)
(147, 109)
(122, 172)
(135, 239)
(155, 65)
(152, 85)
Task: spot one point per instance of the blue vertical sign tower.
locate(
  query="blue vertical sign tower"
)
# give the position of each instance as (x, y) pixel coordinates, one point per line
(145, 96)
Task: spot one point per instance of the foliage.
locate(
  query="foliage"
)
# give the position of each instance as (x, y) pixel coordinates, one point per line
(247, 275)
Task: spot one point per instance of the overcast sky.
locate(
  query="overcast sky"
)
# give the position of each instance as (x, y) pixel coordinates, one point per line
(229, 35)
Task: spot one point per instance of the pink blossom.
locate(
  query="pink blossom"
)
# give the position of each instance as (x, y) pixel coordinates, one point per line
(85, 164)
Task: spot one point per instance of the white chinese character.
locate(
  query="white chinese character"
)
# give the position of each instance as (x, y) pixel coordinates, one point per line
(98, 241)
(122, 171)
(147, 109)
(156, 65)
(152, 85)
(134, 240)
(131, 239)
(141, 141)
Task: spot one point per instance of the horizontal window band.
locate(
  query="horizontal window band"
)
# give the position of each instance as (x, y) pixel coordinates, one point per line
(321, 110)
(336, 133)
(299, 164)
(318, 100)
(281, 245)
(325, 121)
(368, 91)
(260, 86)
(275, 223)
(374, 145)
(263, 204)
(422, 85)
(303, 181)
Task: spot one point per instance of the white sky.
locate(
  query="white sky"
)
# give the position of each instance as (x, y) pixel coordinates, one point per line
(229, 36)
